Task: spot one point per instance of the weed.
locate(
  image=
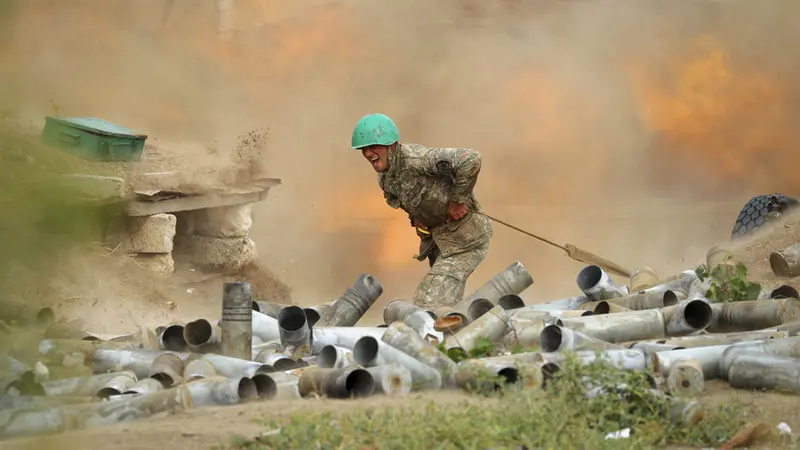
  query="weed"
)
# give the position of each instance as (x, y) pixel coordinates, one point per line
(581, 405)
(728, 283)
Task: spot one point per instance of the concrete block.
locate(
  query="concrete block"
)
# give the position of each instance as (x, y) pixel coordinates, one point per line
(224, 222)
(219, 254)
(152, 234)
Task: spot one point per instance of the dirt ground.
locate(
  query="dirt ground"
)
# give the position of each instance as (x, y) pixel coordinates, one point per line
(637, 135)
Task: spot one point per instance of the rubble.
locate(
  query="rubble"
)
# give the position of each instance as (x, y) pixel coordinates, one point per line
(670, 331)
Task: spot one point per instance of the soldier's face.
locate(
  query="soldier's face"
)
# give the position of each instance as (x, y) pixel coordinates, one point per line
(378, 156)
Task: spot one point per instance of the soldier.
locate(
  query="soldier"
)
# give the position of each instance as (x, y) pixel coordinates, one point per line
(434, 186)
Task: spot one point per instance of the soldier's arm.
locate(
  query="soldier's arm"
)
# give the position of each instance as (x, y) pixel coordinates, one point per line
(460, 165)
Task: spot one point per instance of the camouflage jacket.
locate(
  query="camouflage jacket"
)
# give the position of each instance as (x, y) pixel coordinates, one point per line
(423, 181)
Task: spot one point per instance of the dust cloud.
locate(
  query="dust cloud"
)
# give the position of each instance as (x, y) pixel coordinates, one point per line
(632, 129)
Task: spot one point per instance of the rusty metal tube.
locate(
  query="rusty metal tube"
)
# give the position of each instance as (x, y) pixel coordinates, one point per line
(369, 352)
(295, 333)
(236, 323)
(620, 327)
(787, 347)
(354, 303)
(351, 382)
(404, 338)
(447, 311)
(687, 317)
(708, 340)
(597, 285)
(752, 315)
(201, 336)
(784, 291)
(555, 338)
(786, 262)
(653, 300)
(218, 391)
(685, 377)
(754, 371)
(391, 379)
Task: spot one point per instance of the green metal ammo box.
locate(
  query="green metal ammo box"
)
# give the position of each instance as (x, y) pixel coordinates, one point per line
(94, 139)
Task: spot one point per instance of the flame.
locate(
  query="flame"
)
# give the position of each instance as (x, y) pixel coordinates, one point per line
(715, 113)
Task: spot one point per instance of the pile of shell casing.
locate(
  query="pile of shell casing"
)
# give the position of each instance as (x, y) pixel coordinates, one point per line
(261, 351)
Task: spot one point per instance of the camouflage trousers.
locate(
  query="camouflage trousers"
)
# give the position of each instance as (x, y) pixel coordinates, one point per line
(444, 283)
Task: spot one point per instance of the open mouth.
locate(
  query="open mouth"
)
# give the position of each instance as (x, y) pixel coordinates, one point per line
(374, 160)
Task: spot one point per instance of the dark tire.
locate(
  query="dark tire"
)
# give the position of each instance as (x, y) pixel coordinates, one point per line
(755, 212)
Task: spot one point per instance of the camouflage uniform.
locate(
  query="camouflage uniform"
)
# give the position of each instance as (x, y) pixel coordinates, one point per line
(423, 181)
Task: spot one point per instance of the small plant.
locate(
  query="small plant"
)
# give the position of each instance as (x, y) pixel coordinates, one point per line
(728, 283)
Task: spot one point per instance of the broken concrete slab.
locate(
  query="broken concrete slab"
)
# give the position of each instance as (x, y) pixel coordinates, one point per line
(151, 234)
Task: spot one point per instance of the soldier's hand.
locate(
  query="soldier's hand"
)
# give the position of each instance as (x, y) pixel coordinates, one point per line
(455, 211)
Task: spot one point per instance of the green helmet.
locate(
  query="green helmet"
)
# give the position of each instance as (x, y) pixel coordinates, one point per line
(374, 129)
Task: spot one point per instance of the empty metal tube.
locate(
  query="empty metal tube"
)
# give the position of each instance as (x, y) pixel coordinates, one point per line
(83, 386)
(786, 347)
(753, 315)
(235, 367)
(317, 312)
(620, 327)
(201, 336)
(116, 386)
(404, 338)
(511, 301)
(145, 387)
(707, 340)
(597, 285)
(513, 280)
(218, 391)
(687, 317)
(493, 326)
(268, 308)
(171, 338)
(198, 369)
(412, 315)
(356, 300)
(754, 371)
(167, 369)
(265, 327)
(295, 333)
(642, 279)
(336, 383)
(368, 351)
(650, 300)
(562, 304)
(335, 357)
(342, 336)
(555, 338)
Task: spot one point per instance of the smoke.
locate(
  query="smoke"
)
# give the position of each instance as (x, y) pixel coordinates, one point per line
(614, 128)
